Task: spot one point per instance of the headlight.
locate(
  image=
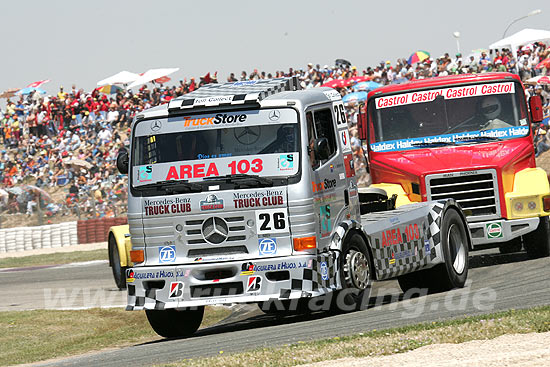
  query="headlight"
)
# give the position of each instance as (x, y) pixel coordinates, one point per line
(532, 205)
(518, 206)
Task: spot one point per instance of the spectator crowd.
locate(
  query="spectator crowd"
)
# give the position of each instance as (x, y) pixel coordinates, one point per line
(71, 139)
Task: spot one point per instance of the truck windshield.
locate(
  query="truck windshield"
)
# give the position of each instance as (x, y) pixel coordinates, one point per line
(448, 116)
(198, 148)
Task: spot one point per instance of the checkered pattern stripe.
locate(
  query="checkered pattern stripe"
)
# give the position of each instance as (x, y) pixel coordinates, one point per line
(240, 92)
(395, 260)
(147, 301)
(312, 280)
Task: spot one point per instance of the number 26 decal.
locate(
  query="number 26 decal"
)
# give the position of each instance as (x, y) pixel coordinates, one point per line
(271, 221)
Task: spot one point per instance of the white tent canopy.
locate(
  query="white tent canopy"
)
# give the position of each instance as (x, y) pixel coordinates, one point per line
(152, 74)
(124, 77)
(522, 38)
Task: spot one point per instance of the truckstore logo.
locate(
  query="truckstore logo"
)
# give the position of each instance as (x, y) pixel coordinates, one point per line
(215, 230)
(211, 203)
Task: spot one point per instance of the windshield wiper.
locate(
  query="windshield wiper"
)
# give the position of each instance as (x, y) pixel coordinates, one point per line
(432, 143)
(478, 138)
(243, 180)
(173, 186)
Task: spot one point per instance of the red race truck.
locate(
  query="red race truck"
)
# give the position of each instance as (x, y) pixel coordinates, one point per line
(466, 137)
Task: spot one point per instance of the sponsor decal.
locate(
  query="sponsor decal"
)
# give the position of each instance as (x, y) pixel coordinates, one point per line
(353, 189)
(328, 198)
(324, 270)
(176, 290)
(326, 184)
(212, 100)
(394, 220)
(145, 174)
(167, 254)
(129, 276)
(258, 199)
(494, 230)
(167, 206)
(333, 95)
(247, 269)
(254, 284)
(267, 246)
(324, 216)
(200, 170)
(392, 260)
(286, 162)
(160, 274)
(406, 144)
(245, 82)
(394, 236)
(427, 246)
(211, 203)
(403, 254)
(344, 139)
(447, 93)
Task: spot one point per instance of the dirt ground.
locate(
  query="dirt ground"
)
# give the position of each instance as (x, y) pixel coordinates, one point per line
(526, 350)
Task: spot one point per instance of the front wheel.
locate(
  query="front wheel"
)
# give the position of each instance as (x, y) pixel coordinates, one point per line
(454, 242)
(174, 323)
(356, 274)
(537, 243)
(119, 272)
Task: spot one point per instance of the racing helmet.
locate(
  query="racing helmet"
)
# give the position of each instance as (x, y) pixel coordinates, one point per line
(490, 107)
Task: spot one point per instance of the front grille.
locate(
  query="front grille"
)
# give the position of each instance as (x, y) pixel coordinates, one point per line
(235, 227)
(475, 191)
(216, 290)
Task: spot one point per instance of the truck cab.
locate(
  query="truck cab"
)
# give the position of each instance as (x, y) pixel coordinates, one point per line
(466, 137)
(246, 193)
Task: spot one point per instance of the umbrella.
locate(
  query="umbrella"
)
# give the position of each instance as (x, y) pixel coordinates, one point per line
(341, 63)
(354, 97)
(109, 89)
(9, 93)
(77, 162)
(162, 80)
(335, 83)
(418, 56)
(152, 74)
(544, 80)
(544, 64)
(124, 77)
(16, 190)
(43, 194)
(366, 86)
(38, 83)
(358, 79)
(29, 90)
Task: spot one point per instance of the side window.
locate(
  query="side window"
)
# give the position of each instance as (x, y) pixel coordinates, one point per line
(311, 136)
(324, 128)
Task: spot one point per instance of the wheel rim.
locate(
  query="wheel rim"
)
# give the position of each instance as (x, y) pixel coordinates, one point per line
(457, 248)
(356, 270)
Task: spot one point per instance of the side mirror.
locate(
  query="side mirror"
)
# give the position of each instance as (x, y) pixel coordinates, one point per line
(362, 125)
(321, 149)
(122, 161)
(535, 107)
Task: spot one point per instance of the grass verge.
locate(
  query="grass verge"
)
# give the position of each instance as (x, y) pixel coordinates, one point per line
(54, 259)
(384, 342)
(30, 336)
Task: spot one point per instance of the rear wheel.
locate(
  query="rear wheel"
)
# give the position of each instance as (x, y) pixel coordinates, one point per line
(356, 274)
(174, 323)
(119, 272)
(537, 243)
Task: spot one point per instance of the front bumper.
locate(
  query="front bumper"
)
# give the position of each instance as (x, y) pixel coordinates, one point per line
(503, 230)
(177, 286)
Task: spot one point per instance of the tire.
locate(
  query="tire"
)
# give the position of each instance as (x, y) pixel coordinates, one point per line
(511, 246)
(119, 272)
(174, 323)
(537, 243)
(454, 241)
(356, 274)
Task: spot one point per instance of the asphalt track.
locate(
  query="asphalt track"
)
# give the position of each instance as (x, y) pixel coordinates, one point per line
(498, 282)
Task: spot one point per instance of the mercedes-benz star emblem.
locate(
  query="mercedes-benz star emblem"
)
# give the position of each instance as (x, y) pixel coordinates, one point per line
(274, 115)
(156, 125)
(215, 230)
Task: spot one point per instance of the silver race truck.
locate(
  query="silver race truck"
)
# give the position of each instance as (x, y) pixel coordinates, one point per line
(246, 193)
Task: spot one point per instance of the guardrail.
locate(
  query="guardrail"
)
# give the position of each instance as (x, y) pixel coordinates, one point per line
(57, 235)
